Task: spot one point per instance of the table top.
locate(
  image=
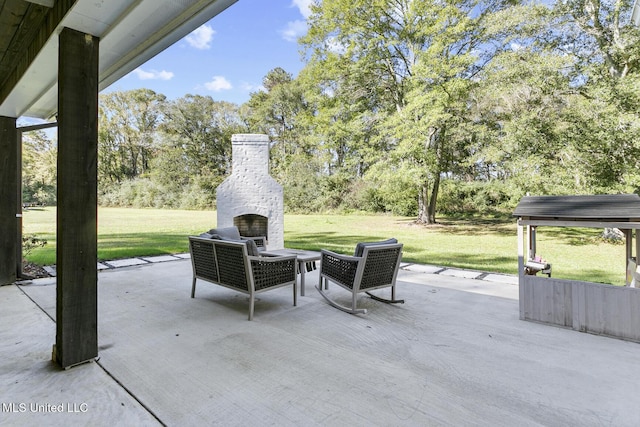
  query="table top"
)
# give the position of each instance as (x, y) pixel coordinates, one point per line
(300, 254)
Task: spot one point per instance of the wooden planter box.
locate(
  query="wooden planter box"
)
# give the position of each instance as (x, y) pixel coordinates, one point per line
(583, 306)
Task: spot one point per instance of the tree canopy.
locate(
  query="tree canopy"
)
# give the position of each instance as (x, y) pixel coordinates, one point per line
(415, 107)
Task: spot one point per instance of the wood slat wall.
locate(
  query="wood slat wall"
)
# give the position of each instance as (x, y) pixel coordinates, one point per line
(586, 307)
(607, 310)
(547, 300)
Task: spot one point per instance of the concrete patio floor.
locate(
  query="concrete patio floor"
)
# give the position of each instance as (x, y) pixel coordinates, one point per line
(454, 354)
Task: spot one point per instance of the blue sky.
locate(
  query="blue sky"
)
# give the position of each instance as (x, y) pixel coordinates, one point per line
(228, 57)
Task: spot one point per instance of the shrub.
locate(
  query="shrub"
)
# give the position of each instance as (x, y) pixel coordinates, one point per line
(485, 197)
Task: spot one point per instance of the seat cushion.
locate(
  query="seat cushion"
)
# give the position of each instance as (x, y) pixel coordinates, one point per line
(252, 249)
(360, 246)
(225, 233)
(231, 234)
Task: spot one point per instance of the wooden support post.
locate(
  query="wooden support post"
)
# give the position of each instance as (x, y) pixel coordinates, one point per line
(532, 242)
(77, 231)
(9, 183)
(628, 240)
(19, 223)
(636, 257)
(637, 254)
(521, 268)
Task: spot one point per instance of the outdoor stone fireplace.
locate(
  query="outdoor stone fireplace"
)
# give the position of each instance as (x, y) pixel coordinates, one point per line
(250, 198)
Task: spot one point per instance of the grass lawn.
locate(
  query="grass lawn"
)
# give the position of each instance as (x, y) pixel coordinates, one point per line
(479, 244)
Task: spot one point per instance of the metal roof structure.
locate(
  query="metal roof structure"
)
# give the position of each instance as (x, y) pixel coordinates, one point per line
(604, 207)
(131, 32)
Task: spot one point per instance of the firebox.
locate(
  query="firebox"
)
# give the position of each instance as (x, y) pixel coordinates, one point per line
(252, 225)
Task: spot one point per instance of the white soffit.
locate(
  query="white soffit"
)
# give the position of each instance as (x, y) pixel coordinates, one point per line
(131, 32)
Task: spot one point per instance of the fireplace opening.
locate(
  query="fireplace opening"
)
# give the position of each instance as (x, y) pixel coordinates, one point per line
(252, 225)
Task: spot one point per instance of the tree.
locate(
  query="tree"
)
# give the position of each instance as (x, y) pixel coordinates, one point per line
(196, 141)
(360, 56)
(277, 112)
(597, 31)
(409, 65)
(127, 133)
(39, 157)
(524, 100)
(606, 47)
(283, 112)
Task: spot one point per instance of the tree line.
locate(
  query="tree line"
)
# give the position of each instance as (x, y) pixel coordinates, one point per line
(414, 107)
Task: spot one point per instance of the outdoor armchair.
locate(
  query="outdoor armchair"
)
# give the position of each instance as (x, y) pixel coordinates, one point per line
(373, 266)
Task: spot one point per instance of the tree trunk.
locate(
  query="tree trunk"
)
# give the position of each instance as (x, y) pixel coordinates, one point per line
(423, 201)
(431, 209)
(427, 203)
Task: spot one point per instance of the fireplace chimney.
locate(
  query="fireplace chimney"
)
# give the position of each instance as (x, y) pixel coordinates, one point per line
(250, 198)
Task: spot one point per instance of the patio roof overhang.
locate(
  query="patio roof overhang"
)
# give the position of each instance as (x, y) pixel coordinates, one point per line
(55, 56)
(131, 32)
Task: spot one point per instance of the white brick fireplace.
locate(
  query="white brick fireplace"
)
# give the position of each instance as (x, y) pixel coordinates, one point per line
(250, 198)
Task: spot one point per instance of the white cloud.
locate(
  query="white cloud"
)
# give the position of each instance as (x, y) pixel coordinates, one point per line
(294, 30)
(334, 45)
(248, 87)
(304, 6)
(201, 37)
(152, 74)
(298, 28)
(218, 83)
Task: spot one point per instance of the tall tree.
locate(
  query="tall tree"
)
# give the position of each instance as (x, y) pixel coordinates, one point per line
(127, 133)
(598, 31)
(606, 45)
(411, 64)
(361, 55)
(197, 140)
(277, 111)
(39, 168)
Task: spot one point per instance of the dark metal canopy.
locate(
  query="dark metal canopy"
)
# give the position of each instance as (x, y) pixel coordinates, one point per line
(605, 207)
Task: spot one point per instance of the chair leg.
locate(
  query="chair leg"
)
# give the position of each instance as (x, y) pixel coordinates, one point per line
(251, 306)
(295, 293)
(193, 288)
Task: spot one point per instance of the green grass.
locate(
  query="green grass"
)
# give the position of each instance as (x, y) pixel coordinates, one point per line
(479, 244)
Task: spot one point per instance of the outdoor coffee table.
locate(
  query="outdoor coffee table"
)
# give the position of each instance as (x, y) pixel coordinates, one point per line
(302, 257)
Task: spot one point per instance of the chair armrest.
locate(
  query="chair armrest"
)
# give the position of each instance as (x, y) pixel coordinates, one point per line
(339, 268)
(272, 271)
